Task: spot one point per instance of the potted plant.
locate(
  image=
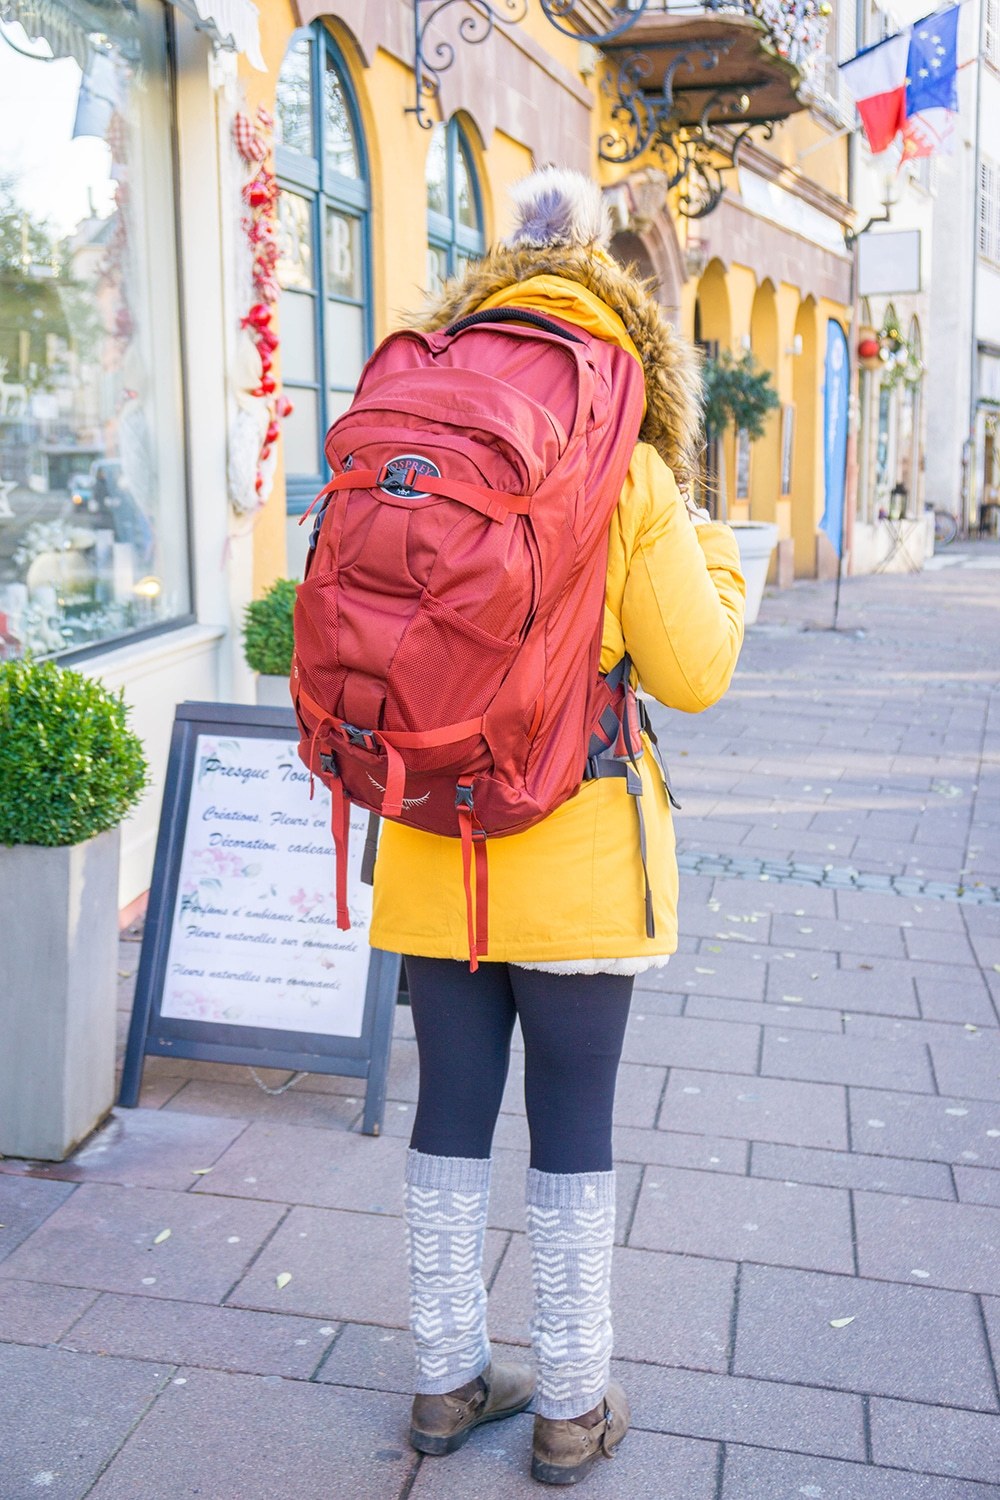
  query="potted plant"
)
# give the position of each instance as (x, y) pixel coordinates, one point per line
(268, 641)
(70, 771)
(738, 393)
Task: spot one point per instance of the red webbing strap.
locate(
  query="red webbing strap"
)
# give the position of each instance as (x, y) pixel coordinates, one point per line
(482, 891)
(427, 739)
(465, 834)
(478, 496)
(340, 827)
(495, 504)
(321, 715)
(473, 836)
(395, 779)
(430, 739)
(334, 484)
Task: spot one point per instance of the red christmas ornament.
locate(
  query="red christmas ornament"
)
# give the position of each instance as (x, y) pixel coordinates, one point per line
(260, 194)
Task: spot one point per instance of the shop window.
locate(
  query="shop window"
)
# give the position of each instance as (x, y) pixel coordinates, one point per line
(325, 308)
(454, 212)
(93, 525)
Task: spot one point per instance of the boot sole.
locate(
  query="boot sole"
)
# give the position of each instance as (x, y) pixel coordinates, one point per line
(547, 1473)
(436, 1445)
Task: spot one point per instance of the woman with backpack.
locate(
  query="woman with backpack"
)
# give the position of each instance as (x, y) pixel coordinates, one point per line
(578, 904)
(567, 897)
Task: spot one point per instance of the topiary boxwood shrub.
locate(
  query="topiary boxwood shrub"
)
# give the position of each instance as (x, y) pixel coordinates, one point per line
(70, 767)
(267, 630)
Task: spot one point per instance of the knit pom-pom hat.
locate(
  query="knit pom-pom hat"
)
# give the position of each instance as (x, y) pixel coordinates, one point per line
(558, 207)
(562, 228)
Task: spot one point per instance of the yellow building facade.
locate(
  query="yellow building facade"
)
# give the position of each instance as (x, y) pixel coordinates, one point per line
(138, 512)
(766, 270)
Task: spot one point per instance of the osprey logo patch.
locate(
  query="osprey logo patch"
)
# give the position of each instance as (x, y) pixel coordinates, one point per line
(404, 466)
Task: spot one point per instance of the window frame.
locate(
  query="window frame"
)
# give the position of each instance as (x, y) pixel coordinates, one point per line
(444, 232)
(988, 211)
(311, 178)
(991, 33)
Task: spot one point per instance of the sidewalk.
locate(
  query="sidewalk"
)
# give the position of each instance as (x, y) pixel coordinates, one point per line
(808, 1280)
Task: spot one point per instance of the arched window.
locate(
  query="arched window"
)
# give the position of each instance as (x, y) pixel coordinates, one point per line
(323, 269)
(454, 210)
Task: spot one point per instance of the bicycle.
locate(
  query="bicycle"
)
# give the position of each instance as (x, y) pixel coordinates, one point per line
(945, 528)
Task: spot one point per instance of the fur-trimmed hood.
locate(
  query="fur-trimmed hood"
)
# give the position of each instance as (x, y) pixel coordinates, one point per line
(672, 423)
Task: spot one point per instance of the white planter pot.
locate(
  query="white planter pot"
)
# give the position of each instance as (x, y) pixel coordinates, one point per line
(58, 994)
(756, 541)
(272, 692)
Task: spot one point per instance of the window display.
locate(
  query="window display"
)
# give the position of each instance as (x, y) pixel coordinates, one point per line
(93, 531)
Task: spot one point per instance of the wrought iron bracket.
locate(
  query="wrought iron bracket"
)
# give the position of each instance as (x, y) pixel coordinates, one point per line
(643, 117)
(693, 156)
(560, 13)
(433, 57)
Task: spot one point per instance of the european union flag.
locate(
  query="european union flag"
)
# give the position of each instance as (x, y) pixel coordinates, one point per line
(932, 66)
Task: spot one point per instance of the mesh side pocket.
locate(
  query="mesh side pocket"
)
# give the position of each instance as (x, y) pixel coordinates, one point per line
(316, 637)
(446, 670)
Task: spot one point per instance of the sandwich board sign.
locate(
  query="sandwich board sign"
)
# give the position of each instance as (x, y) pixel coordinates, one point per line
(242, 960)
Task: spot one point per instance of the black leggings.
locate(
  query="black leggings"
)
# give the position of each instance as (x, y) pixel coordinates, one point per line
(573, 1027)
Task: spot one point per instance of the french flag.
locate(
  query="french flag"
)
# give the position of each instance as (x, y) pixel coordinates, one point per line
(877, 77)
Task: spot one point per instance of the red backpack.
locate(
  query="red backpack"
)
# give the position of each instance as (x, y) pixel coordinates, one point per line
(448, 631)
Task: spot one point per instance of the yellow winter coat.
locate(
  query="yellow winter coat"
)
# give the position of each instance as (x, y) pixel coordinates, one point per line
(572, 886)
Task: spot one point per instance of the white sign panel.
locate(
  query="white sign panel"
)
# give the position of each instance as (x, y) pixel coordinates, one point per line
(888, 262)
(254, 938)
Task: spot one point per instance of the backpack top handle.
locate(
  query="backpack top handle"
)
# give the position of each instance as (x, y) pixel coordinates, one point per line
(513, 315)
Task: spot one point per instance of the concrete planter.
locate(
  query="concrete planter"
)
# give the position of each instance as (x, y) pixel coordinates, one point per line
(756, 541)
(272, 692)
(58, 990)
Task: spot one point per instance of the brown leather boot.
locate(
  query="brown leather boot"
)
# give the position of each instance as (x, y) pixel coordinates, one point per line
(440, 1424)
(563, 1451)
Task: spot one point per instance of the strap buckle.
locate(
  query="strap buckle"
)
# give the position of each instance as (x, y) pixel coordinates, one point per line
(328, 763)
(361, 739)
(463, 798)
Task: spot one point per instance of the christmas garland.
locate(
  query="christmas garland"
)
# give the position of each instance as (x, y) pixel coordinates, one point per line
(798, 31)
(254, 140)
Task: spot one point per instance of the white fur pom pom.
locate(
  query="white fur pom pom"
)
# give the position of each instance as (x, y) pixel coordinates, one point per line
(555, 206)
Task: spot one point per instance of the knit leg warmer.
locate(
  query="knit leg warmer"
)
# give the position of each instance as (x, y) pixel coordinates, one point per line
(444, 1208)
(571, 1227)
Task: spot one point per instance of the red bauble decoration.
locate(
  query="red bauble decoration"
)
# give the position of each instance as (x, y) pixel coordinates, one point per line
(260, 228)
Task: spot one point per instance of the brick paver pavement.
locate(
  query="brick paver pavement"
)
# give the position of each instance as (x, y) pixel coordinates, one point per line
(807, 1284)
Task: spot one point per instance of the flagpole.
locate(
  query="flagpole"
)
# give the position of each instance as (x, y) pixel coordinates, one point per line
(852, 385)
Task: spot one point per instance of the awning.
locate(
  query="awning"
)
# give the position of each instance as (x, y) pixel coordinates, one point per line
(232, 23)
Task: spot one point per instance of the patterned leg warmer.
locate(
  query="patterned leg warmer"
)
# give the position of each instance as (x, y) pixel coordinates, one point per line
(571, 1226)
(444, 1209)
